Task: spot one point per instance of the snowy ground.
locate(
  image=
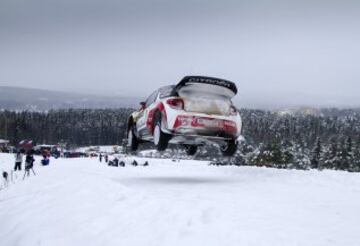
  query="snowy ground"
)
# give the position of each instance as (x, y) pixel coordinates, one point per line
(83, 202)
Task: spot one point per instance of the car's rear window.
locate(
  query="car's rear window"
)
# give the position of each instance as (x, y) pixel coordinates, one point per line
(167, 91)
(215, 105)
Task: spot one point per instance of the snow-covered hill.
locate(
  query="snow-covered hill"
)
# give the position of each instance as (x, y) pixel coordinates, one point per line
(84, 202)
(18, 98)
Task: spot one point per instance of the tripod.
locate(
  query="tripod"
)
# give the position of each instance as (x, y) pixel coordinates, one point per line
(27, 171)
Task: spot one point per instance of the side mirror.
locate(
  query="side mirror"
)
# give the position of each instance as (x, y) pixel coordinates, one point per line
(142, 105)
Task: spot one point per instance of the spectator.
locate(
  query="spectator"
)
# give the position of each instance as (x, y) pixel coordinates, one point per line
(45, 161)
(18, 160)
(56, 153)
(29, 163)
(5, 176)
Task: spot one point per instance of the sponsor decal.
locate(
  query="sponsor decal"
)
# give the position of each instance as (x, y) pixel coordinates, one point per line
(212, 81)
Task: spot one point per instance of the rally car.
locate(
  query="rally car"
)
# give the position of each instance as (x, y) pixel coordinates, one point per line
(196, 111)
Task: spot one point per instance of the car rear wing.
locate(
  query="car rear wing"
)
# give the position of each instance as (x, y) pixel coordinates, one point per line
(206, 85)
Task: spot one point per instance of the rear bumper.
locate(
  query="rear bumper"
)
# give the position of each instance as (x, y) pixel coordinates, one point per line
(206, 133)
(205, 127)
(197, 139)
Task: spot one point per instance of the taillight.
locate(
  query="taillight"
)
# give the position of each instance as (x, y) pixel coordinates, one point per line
(233, 110)
(183, 120)
(176, 103)
(230, 126)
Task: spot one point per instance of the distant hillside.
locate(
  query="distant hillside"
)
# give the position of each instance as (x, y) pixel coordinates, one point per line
(17, 98)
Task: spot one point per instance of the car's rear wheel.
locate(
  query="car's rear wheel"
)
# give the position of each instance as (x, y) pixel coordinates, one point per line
(229, 148)
(191, 149)
(161, 139)
(133, 141)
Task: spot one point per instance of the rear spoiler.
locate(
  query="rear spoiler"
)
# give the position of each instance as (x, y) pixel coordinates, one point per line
(206, 80)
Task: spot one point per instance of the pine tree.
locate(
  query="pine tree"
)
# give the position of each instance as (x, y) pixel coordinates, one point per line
(341, 156)
(301, 159)
(331, 156)
(316, 155)
(345, 154)
(355, 167)
(287, 155)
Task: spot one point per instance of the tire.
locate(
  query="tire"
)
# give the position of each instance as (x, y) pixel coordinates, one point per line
(133, 141)
(229, 148)
(191, 149)
(161, 139)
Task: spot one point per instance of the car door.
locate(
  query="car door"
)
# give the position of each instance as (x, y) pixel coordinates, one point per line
(143, 118)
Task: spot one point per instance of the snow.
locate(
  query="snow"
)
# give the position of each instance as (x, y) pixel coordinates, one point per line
(102, 149)
(3, 141)
(84, 202)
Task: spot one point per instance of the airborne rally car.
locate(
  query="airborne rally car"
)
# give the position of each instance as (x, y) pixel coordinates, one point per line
(196, 111)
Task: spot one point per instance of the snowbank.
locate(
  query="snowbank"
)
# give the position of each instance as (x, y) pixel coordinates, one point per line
(83, 202)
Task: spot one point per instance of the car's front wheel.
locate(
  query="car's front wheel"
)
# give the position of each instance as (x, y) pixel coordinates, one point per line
(161, 139)
(229, 148)
(133, 141)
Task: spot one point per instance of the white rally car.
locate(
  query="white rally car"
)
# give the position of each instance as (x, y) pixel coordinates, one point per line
(196, 111)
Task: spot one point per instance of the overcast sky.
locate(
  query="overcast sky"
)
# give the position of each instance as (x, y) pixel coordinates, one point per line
(278, 52)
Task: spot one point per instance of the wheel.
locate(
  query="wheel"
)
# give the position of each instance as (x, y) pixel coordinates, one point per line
(133, 142)
(161, 139)
(229, 148)
(191, 149)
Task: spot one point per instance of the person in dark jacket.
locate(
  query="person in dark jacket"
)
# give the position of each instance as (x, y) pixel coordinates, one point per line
(106, 158)
(116, 162)
(5, 176)
(100, 157)
(29, 163)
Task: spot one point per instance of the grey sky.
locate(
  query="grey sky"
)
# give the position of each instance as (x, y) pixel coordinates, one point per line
(278, 52)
